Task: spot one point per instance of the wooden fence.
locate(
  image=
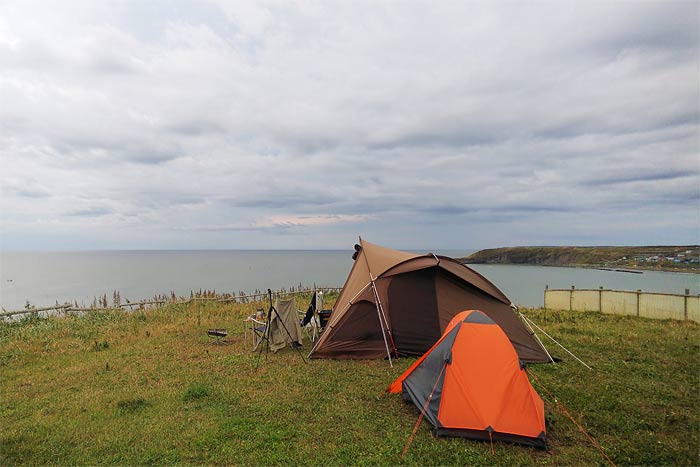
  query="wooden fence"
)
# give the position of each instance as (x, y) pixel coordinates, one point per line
(683, 307)
(242, 298)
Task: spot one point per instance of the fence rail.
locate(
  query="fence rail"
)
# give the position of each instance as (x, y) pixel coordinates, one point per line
(682, 307)
(67, 307)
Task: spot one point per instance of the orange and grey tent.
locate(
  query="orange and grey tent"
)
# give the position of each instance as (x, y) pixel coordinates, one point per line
(399, 303)
(471, 384)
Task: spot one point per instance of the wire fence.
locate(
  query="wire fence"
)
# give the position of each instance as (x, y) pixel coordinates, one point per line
(101, 304)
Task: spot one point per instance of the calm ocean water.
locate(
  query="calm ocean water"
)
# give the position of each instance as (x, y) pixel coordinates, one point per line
(42, 278)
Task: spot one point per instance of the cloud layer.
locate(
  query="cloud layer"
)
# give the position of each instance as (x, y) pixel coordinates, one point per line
(301, 125)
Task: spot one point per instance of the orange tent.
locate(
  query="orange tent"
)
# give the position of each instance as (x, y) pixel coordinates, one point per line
(471, 384)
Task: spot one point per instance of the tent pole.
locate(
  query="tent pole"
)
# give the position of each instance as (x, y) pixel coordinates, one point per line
(386, 323)
(359, 292)
(380, 312)
(555, 341)
(381, 326)
(524, 318)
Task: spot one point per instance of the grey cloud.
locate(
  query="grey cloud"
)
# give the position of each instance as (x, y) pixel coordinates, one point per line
(540, 208)
(633, 124)
(219, 228)
(102, 152)
(168, 197)
(271, 229)
(496, 210)
(146, 156)
(281, 200)
(401, 115)
(448, 210)
(636, 176)
(664, 25)
(450, 135)
(196, 128)
(25, 192)
(676, 203)
(91, 212)
(112, 65)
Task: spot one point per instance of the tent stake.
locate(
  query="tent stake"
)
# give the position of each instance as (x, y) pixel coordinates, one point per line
(555, 341)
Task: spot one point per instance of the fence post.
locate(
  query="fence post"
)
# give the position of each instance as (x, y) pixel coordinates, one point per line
(600, 299)
(571, 298)
(544, 299)
(685, 305)
(639, 293)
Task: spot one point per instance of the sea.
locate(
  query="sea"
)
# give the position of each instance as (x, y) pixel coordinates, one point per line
(44, 278)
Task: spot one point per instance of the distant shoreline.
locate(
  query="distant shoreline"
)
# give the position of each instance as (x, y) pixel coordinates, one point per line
(634, 259)
(584, 266)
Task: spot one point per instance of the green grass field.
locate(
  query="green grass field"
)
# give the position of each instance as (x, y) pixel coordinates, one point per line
(148, 387)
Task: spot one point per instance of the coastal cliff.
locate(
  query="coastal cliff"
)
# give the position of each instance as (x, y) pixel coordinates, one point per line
(669, 258)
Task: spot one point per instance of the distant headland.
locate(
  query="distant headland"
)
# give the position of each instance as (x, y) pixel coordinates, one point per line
(619, 258)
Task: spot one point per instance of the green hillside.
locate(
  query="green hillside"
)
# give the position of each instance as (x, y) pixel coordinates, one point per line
(681, 258)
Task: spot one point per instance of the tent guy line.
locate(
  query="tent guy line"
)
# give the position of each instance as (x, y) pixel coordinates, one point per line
(522, 317)
(528, 320)
(422, 412)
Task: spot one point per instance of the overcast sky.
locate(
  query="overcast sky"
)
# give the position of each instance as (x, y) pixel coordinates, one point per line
(216, 124)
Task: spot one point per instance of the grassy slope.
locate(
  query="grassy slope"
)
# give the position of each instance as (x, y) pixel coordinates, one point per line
(147, 388)
(602, 256)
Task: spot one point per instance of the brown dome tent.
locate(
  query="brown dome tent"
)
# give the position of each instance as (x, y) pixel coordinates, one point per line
(399, 303)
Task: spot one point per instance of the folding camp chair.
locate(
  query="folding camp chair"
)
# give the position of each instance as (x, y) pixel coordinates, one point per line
(311, 322)
(258, 328)
(259, 333)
